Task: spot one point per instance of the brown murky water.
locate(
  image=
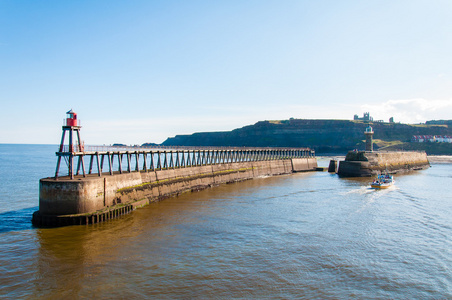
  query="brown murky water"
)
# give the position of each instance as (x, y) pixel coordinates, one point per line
(307, 235)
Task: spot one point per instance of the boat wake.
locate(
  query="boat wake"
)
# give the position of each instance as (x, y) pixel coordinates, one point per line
(361, 191)
(367, 195)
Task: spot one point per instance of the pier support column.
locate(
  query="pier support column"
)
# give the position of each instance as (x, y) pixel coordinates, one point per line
(332, 168)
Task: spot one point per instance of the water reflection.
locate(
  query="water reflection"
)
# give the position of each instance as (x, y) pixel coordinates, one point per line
(69, 257)
(310, 235)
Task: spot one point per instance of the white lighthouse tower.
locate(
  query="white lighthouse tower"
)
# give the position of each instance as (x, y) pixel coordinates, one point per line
(369, 142)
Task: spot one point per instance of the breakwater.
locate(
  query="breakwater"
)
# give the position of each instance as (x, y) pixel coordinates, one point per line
(96, 197)
(366, 163)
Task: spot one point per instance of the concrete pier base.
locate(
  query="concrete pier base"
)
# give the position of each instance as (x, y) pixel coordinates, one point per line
(40, 220)
(93, 199)
(332, 167)
(366, 164)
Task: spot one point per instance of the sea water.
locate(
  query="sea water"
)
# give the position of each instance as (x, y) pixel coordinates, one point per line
(305, 235)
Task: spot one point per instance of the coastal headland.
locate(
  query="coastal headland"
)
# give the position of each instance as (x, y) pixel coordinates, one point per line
(324, 136)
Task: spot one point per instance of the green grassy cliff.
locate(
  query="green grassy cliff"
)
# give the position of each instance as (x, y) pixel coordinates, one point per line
(324, 136)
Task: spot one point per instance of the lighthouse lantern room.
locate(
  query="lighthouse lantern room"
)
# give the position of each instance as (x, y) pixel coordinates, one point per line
(74, 147)
(71, 119)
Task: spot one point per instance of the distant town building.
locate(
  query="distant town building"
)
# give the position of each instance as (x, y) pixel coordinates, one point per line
(391, 120)
(435, 122)
(431, 139)
(439, 122)
(366, 117)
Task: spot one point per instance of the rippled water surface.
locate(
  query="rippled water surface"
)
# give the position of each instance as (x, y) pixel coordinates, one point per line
(306, 235)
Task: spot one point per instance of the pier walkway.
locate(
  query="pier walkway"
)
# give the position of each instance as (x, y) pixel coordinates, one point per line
(110, 159)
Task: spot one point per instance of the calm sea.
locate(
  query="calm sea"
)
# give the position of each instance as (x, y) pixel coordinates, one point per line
(306, 235)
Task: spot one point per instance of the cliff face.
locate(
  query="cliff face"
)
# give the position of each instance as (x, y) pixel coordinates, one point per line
(324, 136)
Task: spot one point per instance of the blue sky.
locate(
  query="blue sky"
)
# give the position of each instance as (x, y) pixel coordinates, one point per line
(142, 71)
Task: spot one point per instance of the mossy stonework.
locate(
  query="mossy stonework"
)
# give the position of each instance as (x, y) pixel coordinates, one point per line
(363, 164)
(76, 201)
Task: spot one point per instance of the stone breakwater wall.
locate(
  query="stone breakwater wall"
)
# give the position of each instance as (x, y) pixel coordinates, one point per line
(92, 199)
(364, 164)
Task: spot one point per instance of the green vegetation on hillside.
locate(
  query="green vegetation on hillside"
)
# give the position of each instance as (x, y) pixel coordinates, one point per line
(324, 136)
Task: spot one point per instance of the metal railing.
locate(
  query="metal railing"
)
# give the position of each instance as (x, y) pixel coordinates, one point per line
(122, 160)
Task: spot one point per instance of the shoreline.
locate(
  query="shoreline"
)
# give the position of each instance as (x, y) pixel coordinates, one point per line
(440, 159)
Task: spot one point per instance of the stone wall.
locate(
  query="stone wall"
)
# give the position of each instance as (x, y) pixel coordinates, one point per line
(93, 193)
(361, 163)
(301, 165)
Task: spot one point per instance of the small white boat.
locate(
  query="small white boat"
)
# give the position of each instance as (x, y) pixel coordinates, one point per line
(383, 181)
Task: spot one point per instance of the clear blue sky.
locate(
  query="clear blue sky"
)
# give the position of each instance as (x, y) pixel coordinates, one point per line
(141, 71)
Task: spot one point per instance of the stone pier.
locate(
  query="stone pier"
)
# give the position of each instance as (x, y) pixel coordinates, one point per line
(365, 163)
(91, 198)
